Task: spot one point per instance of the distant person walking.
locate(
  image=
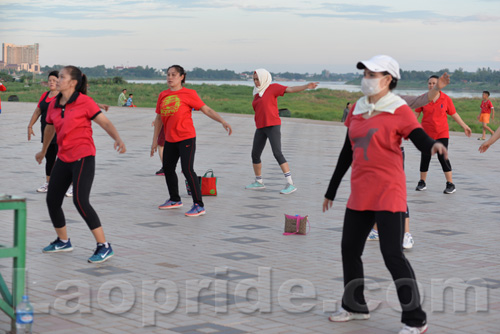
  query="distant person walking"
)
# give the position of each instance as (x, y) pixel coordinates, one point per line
(2, 89)
(70, 116)
(435, 124)
(122, 99)
(484, 116)
(346, 112)
(268, 122)
(174, 110)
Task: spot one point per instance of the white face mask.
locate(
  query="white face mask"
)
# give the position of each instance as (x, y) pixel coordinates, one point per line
(371, 87)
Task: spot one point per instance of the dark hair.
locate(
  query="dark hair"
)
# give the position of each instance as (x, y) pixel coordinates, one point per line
(347, 105)
(179, 70)
(53, 74)
(76, 74)
(130, 94)
(394, 81)
(433, 77)
(124, 89)
(486, 92)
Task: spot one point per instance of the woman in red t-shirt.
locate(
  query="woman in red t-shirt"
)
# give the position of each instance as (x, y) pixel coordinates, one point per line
(70, 116)
(376, 125)
(174, 110)
(41, 111)
(268, 122)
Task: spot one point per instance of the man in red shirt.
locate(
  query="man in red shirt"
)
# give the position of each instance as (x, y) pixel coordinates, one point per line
(435, 123)
(486, 111)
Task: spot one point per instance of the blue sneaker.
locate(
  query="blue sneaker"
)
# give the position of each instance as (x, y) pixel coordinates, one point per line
(256, 186)
(289, 188)
(195, 211)
(373, 236)
(170, 205)
(58, 246)
(101, 253)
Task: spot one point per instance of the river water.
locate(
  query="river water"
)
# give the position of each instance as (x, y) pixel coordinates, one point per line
(335, 85)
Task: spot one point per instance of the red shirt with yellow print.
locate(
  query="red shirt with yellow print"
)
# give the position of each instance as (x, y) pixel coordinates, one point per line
(175, 108)
(378, 181)
(486, 107)
(435, 119)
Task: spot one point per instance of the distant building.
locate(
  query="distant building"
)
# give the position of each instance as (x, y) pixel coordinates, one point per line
(20, 57)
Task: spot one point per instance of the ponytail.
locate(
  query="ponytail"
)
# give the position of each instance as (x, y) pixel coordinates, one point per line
(76, 74)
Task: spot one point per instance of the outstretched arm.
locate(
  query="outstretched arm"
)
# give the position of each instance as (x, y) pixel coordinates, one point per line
(419, 101)
(297, 89)
(460, 122)
(343, 164)
(32, 122)
(494, 137)
(106, 124)
(424, 143)
(216, 117)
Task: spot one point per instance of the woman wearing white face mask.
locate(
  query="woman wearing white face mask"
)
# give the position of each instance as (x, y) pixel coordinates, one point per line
(376, 125)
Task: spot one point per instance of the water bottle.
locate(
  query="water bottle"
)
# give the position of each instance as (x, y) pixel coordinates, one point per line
(24, 316)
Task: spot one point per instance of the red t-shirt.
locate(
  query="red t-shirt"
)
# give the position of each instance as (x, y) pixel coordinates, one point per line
(378, 181)
(435, 119)
(2, 89)
(74, 131)
(266, 107)
(175, 109)
(486, 107)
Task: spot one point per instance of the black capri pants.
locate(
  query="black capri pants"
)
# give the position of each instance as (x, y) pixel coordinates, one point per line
(425, 159)
(81, 173)
(273, 133)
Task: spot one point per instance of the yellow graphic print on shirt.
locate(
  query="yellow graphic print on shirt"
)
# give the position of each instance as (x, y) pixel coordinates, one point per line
(170, 105)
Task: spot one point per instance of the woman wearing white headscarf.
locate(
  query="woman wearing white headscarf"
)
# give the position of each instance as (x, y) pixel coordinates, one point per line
(268, 122)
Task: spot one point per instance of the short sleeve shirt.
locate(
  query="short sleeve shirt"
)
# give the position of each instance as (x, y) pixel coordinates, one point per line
(266, 107)
(435, 118)
(175, 108)
(378, 181)
(74, 130)
(486, 107)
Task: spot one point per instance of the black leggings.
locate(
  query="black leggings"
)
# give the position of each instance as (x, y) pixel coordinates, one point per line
(184, 150)
(50, 158)
(357, 226)
(425, 159)
(81, 173)
(273, 133)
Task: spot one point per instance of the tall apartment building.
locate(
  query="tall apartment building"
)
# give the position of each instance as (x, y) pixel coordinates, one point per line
(20, 57)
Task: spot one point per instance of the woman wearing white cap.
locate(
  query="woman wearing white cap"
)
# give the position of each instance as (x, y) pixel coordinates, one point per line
(376, 125)
(268, 122)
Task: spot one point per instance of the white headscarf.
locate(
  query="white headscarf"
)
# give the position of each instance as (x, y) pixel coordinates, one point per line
(265, 79)
(388, 103)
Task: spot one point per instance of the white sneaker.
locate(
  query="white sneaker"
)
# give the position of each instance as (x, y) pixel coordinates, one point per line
(413, 330)
(342, 316)
(44, 188)
(69, 193)
(408, 241)
(373, 236)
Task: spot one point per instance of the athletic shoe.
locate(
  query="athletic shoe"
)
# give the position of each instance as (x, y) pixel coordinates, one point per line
(170, 205)
(413, 330)
(450, 188)
(421, 185)
(256, 186)
(101, 253)
(289, 188)
(160, 172)
(373, 236)
(408, 241)
(195, 211)
(342, 316)
(44, 188)
(69, 193)
(58, 246)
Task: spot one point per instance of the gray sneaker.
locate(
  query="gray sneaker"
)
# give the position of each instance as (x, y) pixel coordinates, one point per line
(450, 188)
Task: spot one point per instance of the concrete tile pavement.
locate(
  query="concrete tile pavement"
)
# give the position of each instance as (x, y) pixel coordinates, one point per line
(172, 273)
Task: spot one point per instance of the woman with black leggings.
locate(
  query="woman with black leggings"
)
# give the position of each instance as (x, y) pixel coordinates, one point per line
(376, 125)
(70, 116)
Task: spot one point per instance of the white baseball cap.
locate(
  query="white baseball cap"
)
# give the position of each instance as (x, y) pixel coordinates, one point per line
(381, 63)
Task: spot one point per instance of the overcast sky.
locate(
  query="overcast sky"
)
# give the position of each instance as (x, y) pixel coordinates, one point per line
(280, 35)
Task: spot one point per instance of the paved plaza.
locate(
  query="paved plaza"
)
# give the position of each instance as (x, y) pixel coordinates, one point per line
(232, 270)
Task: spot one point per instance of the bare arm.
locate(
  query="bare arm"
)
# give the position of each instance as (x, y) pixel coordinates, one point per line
(419, 101)
(297, 89)
(32, 122)
(494, 137)
(460, 122)
(106, 124)
(48, 135)
(103, 106)
(156, 132)
(216, 117)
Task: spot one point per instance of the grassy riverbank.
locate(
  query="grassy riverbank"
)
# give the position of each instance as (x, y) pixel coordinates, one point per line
(320, 104)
